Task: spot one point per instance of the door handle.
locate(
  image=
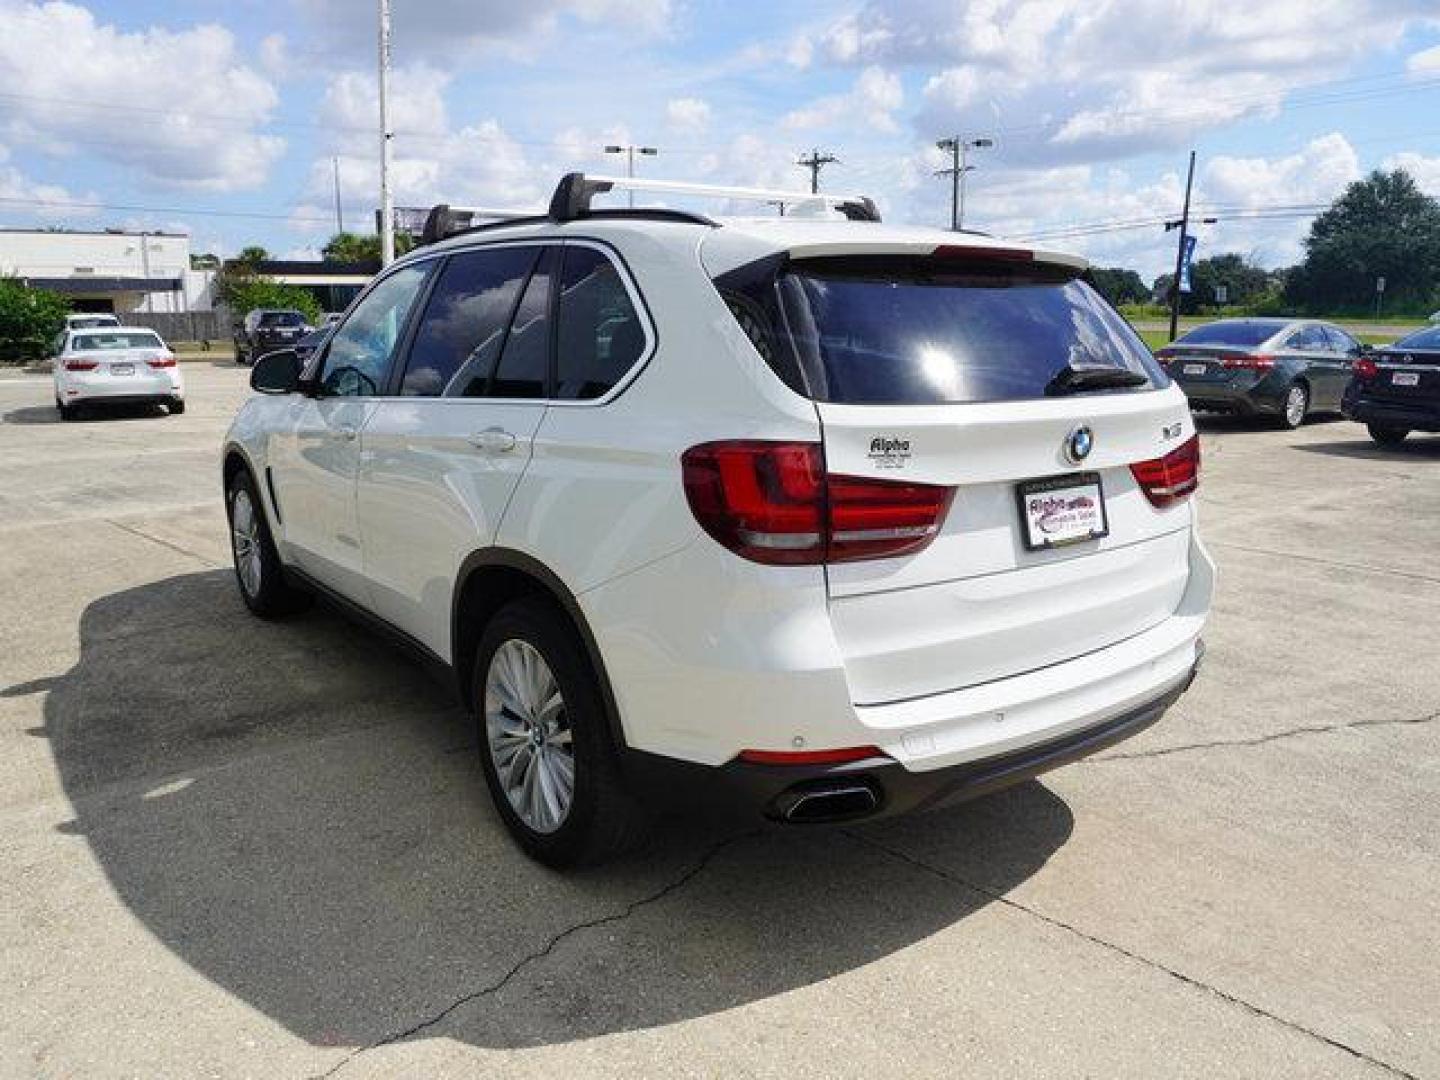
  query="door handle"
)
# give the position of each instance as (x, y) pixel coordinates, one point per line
(347, 432)
(494, 440)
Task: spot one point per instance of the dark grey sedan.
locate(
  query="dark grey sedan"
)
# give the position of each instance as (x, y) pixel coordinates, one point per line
(1282, 368)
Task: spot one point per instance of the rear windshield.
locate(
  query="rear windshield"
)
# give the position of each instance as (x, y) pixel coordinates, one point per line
(1421, 339)
(282, 318)
(879, 330)
(125, 340)
(1230, 333)
(94, 320)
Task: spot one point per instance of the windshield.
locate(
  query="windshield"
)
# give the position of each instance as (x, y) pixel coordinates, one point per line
(1230, 333)
(875, 330)
(1421, 339)
(129, 339)
(282, 318)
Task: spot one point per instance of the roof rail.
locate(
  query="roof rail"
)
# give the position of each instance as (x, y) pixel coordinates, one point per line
(446, 220)
(571, 200)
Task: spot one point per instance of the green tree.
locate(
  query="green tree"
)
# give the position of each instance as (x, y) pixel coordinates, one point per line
(1246, 284)
(1382, 226)
(1118, 285)
(29, 320)
(252, 255)
(263, 292)
(348, 247)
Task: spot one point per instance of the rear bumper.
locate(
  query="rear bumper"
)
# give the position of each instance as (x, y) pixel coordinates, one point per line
(1244, 398)
(879, 787)
(1416, 416)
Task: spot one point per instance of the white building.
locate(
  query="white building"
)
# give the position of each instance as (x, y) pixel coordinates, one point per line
(113, 270)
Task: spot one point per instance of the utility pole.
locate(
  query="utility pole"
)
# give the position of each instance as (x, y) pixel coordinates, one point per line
(815, 162)
(387, 197)
(630, 151)
(1183, 224)
(339, 216)
(959, 149)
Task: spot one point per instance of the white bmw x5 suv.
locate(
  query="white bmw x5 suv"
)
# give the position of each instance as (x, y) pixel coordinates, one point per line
(809, 515)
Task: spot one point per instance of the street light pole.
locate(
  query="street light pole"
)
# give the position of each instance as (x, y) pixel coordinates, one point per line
(630, 151)
(387, 198)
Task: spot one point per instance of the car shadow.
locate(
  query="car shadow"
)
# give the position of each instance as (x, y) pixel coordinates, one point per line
(1220, 423)
(297, 812)
(48, 414)
(1416, 447)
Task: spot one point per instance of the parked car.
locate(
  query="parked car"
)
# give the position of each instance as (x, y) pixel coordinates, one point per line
(89, 320)
(1282, 368)
(821, 519)
(116, 366)
(1396, 389)
(264, 330)
(312, 341)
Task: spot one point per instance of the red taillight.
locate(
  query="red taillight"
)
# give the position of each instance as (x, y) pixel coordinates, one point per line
(982, 254)
(1255, 362)
(81, 365)
(811, 757)
(161, 361)
(1365, 369)
(773, 502)
(1173, 478)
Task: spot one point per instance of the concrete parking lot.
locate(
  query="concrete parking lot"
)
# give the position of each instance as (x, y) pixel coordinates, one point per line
(240, 849)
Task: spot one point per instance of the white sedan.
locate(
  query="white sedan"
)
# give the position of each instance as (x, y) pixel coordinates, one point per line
(114, 366)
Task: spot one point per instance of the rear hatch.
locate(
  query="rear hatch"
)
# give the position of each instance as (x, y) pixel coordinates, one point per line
(1406, 376)
(957, 372)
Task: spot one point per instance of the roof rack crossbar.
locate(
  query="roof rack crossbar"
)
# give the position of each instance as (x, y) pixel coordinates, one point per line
(446, 220)
(573, 194)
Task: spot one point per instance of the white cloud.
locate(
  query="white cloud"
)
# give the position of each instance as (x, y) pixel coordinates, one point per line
(687, 114)
(444, 31)
(1095, 80)
(1425, 170)
(872, 102)
(22, 198)
(180, 107)
(1426, 62)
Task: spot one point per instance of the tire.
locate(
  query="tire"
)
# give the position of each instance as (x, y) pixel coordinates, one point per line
(529, 655)
(242, 357)
(1386, 434)
(259, 574)
(68, 412)
(176, 406)
(1294, 406)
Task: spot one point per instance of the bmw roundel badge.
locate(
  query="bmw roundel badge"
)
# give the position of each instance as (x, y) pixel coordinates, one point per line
(1078, 444)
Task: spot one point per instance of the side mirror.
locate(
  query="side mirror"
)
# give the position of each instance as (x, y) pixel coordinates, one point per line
(276, 372)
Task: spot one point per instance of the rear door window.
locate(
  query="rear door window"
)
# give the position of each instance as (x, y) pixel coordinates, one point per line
(463, 327)
(922, 331)
(599, 333)
(524, 367)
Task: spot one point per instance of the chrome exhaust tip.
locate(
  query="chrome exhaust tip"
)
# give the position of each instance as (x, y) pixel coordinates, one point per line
(835, 800)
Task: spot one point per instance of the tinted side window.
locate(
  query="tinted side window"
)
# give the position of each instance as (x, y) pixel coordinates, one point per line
(1309, 338)
(525, 361)
(463, 326)
(1340, 341)
(599, 333)
(360, 349)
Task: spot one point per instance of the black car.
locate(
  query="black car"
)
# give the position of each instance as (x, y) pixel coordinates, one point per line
(1396, 389)
(265, 330)
(307, 345)
(1283, 368)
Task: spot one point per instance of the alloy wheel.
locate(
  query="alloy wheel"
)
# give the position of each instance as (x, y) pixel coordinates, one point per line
(1295, 402)
(528, 732)
(245, 539)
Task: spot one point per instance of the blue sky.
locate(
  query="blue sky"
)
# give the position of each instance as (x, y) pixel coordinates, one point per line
(223, 119)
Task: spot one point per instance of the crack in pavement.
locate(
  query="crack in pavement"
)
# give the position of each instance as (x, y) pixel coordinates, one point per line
(163, 543)
(1361, 567)
(1261, 740)
(1174, 973)
(542, 952)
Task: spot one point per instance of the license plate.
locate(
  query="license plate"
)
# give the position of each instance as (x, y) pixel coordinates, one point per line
(1195, 369)
(1405, 378)
(1062, 510)
(122, 369)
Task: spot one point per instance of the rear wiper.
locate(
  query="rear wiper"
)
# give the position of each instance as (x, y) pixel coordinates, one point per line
(1074, 378)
